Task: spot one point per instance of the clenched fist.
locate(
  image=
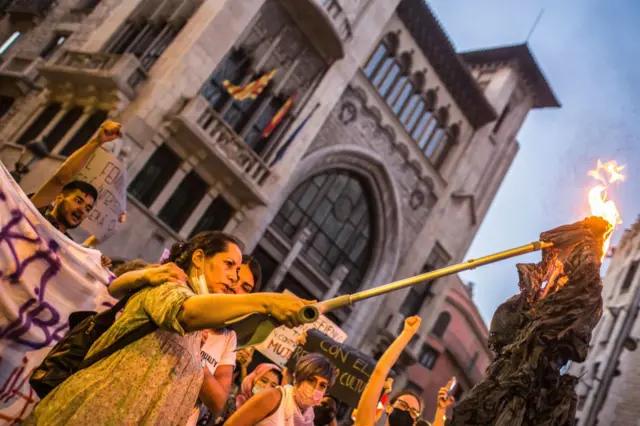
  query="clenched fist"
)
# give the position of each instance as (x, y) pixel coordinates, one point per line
(109, 130)
(412, 324)
(285, 308)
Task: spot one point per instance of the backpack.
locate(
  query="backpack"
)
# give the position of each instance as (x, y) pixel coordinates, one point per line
(68, 355)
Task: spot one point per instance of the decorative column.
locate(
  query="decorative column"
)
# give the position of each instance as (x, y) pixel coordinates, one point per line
(170, 187)
(299, 241)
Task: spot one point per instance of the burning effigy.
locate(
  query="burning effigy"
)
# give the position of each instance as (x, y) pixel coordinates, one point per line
(548, 324)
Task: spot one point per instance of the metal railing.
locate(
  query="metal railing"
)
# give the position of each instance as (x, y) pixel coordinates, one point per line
(337, 14)
(225, 139)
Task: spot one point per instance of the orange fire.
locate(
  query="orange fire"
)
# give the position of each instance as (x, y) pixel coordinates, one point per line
(606, 173)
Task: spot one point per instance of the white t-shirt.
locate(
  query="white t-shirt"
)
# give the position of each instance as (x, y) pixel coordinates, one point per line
(219, 349)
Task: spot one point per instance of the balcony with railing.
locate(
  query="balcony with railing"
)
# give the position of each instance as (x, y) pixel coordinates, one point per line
(105, 71)
(232, 160)
(18, 75)
(324, 22)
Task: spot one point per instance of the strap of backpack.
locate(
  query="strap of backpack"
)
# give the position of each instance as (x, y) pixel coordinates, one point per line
(123, 341)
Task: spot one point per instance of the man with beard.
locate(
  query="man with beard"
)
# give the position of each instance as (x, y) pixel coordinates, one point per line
(65, 202)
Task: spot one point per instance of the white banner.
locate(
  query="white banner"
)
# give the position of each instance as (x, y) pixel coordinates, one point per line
(280, 344)
(109, 176)
(44, 277)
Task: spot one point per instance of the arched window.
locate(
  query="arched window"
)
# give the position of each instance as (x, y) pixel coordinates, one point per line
(335, 206)
(417, 112)
(440, 327)
(424, 137)
(381, 52)
(434, 142)
(389, 79)
(381, 59)
(400, 102)
(408, 109)
(398, 88)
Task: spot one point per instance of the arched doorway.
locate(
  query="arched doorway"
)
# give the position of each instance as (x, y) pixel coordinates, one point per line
(335, 206)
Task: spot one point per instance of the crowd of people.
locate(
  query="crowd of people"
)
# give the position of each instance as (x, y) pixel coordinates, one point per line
(187, 370)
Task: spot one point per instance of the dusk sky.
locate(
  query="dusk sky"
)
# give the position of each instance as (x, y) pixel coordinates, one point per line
(590, 53)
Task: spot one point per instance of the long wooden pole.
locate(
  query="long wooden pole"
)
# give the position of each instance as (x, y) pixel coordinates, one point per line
(311, 313)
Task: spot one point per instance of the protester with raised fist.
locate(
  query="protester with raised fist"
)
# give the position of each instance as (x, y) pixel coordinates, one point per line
(405, 408)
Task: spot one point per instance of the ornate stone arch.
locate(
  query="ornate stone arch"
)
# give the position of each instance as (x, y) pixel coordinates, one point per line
(385, 202)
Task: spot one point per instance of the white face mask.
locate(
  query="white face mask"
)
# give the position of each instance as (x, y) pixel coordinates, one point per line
(257, 389)
(200, 283)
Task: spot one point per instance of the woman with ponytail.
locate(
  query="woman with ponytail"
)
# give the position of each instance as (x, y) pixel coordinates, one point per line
(157, 379)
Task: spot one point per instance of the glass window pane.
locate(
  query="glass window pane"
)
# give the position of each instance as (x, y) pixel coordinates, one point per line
(389, 81)
(321, 213)
(417, 112)
(85, 132)
(397, 107)
(337, 187)
(153, 177)
(409, 109)
(421, 125)
(215, 218)
(433, 142)
(426, 135)
(393, 94)
(39, 124)
(382, 72)
(62, 127)
(183, 201)
(441, 151)
(308, 197)
(380, 53)
(345, 236)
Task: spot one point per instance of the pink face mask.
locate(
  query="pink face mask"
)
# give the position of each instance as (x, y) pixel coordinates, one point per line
(308, 396)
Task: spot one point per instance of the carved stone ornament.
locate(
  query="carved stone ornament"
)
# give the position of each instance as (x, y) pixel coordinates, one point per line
(348, 113)
(417, 199)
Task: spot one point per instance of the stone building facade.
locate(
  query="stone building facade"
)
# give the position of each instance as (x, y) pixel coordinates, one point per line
(384, 168)
(609, 380)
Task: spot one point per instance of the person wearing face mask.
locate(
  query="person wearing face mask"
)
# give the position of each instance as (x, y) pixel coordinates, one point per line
(264, 377)
(219, 346)
(289, 405)
(404, 408)
(157, 378)
(325, 413)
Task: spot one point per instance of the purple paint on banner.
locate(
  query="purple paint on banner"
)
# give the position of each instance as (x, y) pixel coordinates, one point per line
(34, 312)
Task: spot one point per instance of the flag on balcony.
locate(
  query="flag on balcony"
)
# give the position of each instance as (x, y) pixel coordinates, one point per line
(282, 112)
(250, 90)
(285, 146)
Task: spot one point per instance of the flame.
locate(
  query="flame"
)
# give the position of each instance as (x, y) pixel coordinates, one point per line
(598, 202)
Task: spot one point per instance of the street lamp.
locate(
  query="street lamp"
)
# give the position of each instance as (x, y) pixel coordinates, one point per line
(33, 151)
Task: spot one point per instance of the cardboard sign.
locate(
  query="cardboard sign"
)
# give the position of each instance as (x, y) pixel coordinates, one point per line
(354, 367)
(280, 344)
(109, 176)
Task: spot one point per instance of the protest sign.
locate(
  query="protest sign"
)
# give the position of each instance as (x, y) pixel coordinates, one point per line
(109, 176)
(354, 367)
(280, 344)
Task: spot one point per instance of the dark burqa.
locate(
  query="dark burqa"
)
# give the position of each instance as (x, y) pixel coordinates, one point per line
(536, 332)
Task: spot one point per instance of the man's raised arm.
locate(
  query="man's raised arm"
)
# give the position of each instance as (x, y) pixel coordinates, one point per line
(109, 130)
